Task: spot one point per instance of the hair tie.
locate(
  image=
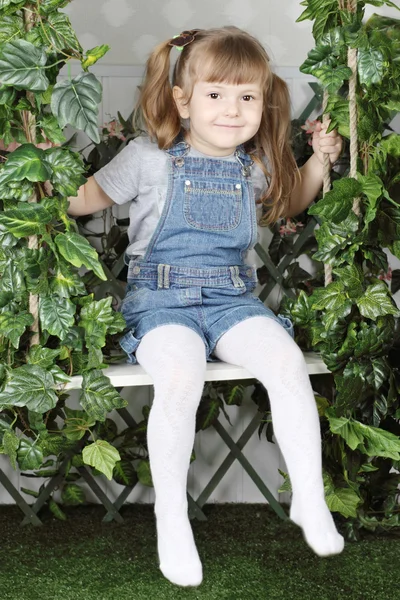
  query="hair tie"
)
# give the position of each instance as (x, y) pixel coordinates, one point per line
(183, 39)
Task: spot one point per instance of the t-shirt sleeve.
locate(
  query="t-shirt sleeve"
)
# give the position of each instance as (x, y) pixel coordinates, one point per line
(120, 177)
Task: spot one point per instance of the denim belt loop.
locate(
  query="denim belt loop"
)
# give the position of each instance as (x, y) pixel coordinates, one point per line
(236, 280)
(163, 276)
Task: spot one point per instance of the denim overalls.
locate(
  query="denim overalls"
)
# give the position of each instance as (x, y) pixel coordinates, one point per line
(193, 272)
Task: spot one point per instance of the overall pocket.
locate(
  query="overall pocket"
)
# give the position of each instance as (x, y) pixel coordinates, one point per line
(213, 206)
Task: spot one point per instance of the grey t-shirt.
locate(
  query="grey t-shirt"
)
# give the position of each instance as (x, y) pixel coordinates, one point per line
(139, 174)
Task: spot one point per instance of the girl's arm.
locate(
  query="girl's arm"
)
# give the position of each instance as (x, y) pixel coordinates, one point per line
(310, 178)
(90, 199)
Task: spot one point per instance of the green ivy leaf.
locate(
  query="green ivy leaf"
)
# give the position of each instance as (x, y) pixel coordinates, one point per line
(30, 386)
(318, 57)
(56, 315)
(144, 473)
(11, 445)
(76, 424)
(29, 454)
(74, 102)
(67, 168)
(77, 251)
(59, 33)
(26, 162)
(336, 205)
(93, 55)
(13, 326)
(72, 495)
(21, 65)
(56, 510)
(102, 456)
(98, 397)
(343, 500)
(370, 64)
(65, 283)
(43, 357)
(11, 27)
(51, 130)
(124, 473)
(352, 278)
(330, 297)
(377, 302)
(48, 6)
(331, 78)
(26, 220)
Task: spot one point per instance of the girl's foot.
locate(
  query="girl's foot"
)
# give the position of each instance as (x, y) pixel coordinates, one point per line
(318, 527)
(179, 559)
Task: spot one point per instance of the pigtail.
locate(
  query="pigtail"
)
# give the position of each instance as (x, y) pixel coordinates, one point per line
(156, 103)
(274, 142)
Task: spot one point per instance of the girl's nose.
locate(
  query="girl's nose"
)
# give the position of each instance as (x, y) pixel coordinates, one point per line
(232, 109)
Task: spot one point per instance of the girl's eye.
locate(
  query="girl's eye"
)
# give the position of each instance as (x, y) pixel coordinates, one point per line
(247, 98)
(214, 95)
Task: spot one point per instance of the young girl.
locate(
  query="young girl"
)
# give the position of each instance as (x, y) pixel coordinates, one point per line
(217, 146)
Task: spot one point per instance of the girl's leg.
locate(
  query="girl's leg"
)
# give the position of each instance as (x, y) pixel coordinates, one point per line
(264, 348)
(174, 356)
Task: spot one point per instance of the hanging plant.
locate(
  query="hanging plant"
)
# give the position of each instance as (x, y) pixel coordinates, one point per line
(50, 327)
(352, 321)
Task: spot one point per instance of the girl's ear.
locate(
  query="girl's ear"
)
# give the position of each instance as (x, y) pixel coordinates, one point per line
(180, 102)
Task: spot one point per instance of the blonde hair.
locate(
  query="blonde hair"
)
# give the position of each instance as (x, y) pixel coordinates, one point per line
(225, 55)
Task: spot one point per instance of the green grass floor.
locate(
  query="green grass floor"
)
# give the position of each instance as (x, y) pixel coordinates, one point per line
(247, 553)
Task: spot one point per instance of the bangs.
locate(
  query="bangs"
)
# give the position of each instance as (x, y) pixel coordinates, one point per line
(232, 60)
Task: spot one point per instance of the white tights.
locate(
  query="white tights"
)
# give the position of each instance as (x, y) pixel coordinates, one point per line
(174, 357)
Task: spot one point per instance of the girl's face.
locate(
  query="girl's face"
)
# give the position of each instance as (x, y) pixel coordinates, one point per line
(222, 116)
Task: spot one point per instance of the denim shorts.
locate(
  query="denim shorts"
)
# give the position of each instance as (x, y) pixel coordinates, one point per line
(210, 301)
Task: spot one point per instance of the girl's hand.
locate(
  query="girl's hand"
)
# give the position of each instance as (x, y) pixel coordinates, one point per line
(326, 143)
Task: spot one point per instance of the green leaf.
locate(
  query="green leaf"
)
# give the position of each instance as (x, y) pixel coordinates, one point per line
(29, 455)
(102, 456)
(65, 283)
(301, 311)
(144, 473)
(124, 473)
(49, 6)
(59, 33)
(336, 205)
(372, 187)
(30, 386)
(11, 445)
(21, 65)
(329, 244)
(26, 162)
(72, 495)
(74, 102)
(330, 297)
(51, 130)
(346, 428)
(331, 78)
(93, 55)
(352, 278)
(56, 510)
(56, 315)
(391, 144)
(377, 301)
(10, 27)
(26, 220)
(67, 168)
(370, 63)
(13, 326)
(317, 58)
(77, 250)
(344, 501)
(98, 397)
(76, 424)
(43, 357)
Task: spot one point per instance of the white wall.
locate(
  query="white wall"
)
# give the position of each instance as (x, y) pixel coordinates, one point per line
(133, 27)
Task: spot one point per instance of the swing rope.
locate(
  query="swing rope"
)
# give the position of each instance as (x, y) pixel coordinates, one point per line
(352, 64)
